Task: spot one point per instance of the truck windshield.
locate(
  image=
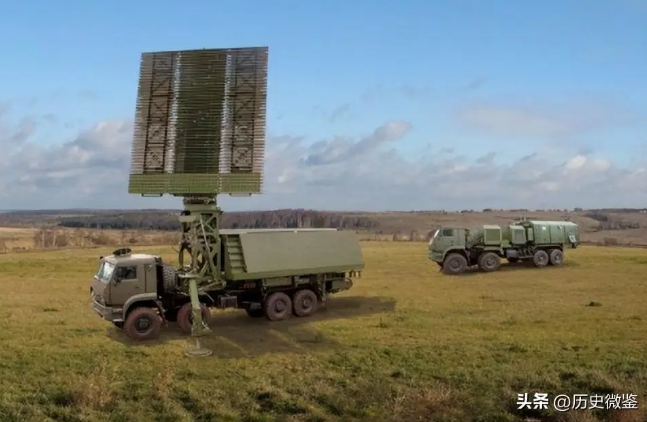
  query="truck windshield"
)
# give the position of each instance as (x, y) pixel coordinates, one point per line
(434, 236)
(105, 271)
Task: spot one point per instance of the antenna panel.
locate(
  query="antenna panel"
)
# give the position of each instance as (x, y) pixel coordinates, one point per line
(200, 122)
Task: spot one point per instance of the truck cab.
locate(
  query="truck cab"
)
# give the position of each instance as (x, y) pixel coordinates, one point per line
(121, 280)
(444, 240)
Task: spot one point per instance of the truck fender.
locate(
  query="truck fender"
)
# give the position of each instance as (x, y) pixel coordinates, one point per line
(499, 251)
(144, 297)
(458, 251)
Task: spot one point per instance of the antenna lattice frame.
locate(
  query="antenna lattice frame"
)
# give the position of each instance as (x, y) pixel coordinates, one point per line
(200, 122)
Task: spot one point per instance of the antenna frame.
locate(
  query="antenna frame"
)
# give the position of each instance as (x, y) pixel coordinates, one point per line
(238, 79)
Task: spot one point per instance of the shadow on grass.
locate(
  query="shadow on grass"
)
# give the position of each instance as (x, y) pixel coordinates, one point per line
(236, 335)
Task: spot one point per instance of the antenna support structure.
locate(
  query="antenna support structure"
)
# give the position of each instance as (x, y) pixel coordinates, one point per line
(199, 133)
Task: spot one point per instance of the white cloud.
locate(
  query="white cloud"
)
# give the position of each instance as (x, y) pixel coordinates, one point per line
(341, 173)
(518, 120)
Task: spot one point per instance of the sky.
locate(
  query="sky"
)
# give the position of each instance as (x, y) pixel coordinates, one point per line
(381, 105)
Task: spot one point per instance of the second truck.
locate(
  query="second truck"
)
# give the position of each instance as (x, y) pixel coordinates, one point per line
(542, 242)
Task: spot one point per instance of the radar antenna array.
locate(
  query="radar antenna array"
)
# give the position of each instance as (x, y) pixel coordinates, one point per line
(200, 122)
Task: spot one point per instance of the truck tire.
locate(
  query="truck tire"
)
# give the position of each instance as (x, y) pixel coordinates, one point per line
(455, 264)
(277, 306)
(169, 278)
(556, 257)
(185, 316)
(489, 261)
(540, 259)
(143, 324)
(304, 303)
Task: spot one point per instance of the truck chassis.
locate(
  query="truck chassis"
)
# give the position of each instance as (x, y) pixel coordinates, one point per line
(489, 259)
(275, 299)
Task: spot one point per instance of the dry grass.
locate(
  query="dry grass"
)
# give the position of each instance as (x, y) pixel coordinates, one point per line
(405, 344)
(14, 239)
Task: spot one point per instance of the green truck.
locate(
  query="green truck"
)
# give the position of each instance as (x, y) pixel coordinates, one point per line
(269, 273)
(542, 242)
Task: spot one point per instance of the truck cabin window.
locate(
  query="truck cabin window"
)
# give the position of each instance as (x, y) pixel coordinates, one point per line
(105, 272)
(127, 273)
(447, 233)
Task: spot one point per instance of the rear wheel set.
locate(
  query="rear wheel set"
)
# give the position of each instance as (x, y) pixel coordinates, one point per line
(489, 261)
(278, 306)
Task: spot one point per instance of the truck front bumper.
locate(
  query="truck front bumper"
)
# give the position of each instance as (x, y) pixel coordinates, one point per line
(106, 312)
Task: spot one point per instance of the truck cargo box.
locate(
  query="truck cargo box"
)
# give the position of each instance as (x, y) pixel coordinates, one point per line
(267, 253)
(552, 232)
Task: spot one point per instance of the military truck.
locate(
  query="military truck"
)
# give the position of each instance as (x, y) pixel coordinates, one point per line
(267, 272)
(542, 242)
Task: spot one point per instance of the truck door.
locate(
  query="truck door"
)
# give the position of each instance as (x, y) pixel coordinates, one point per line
(557, 234)
(129, 281)
(448, 235)
(542, 236)
(151, 278)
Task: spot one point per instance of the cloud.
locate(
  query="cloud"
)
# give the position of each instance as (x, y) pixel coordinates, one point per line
(341, 112)
(374, 178)
(532, 121)
(95, 163)
(344, 149)
(91, 170)
(379, 94)
(13, 134)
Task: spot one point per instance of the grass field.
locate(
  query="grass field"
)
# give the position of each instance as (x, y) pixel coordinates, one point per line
(405, 344)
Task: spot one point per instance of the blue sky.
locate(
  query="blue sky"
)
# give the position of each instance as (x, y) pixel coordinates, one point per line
(372, 62)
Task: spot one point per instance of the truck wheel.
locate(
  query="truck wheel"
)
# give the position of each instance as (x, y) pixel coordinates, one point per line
(304, 303)
(455, 264)
(255, 313)
(489, 261)
(277, 306)
(143, 324)
(540, 259)
(185, 316)
(513, 260)
(556, 257)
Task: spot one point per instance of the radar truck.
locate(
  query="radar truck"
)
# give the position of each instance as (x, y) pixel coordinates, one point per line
(542, 242)
(200, 133)
(267, 272)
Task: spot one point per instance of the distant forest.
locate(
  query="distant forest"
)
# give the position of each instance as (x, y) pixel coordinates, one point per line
(230, 220)
(373, 222)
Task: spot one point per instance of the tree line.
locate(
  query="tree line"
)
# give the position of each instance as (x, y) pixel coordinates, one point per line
(230, 220)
